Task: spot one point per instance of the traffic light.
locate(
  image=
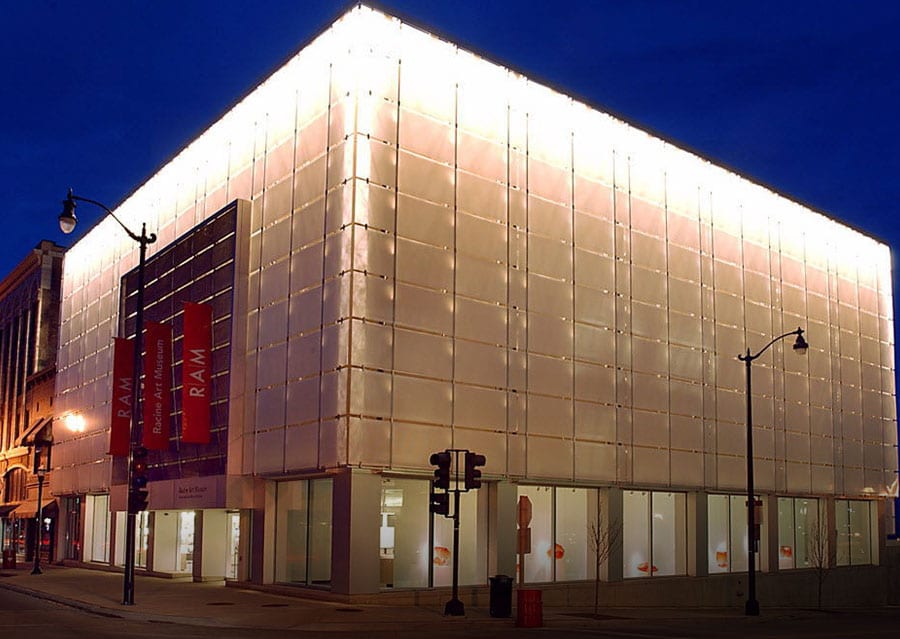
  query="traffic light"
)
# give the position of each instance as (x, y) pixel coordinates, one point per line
(442, 472)
(138, 496)
(137, 501)
(473, 475)
(440, 502)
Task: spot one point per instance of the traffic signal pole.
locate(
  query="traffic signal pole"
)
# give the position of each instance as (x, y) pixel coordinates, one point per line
(440, 503)
(455, 607)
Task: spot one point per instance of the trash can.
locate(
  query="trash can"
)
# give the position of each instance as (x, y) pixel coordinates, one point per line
(501, 596)
(529, 609)
(9, 558)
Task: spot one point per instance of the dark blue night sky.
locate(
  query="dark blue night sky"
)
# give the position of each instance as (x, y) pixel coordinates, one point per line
(801, 96)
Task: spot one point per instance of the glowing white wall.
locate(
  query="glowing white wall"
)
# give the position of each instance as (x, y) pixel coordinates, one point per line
(445, 253)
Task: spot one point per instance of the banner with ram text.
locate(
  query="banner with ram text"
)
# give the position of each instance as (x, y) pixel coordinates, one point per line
(122, 396)
(196, 373)
(157, 385)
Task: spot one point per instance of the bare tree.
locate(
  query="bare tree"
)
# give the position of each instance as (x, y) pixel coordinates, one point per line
(818, 554)
(603, 540)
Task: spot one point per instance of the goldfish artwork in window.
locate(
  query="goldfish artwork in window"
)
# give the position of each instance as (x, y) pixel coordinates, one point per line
(441, 556)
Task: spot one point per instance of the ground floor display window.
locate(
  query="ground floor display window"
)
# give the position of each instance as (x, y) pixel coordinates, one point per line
(472, 547)
(73, 540)
(802, 533)
(654, 533)
(855, 522)
(416, 548)
(303, 532)
(727, 533)
(172, 538)
(560, 531)
(233, 546)
(142, 538)
(405, 534)
(97, 528)
(15, 535)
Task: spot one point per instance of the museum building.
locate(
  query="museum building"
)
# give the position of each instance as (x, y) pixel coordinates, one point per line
(407, 248)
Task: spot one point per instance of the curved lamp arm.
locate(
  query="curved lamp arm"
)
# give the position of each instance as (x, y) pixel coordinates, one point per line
(800, 345)
(67, 219)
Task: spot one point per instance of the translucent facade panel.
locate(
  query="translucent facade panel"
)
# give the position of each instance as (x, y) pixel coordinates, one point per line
(550, 257)
(549, 182)
(477, 407)
(424, 179)
(423, 354)
(595, 307)
(480, 279)
(423, 308)
(550, 375)
(424, 221)
(595, 382)
(591, 196)
(481, 238)
(481, 321)
(480, 364)
(649, 320)
(424, 265)
(595, 344)
(594, 234)
(594, 270)
(480, 156)
(550, 219)
(549, 416)
(684, 231)
(550, 296)
(650, 356)
(549, 335)
(648, 286)
(422, 400)
(649, 251)
(480, 197)
(426, 137)
(684, 297)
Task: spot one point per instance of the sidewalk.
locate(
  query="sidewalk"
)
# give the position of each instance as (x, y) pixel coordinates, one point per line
(213, 604)
(207, 604)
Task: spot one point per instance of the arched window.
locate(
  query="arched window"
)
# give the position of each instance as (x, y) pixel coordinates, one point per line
(15, 485)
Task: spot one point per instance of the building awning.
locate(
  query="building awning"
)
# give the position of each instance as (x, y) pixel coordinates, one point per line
(28, 509)
(5, 509)
(30, 434)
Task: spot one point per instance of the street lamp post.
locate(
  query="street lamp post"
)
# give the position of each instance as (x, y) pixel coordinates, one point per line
(67, 221)
(40, 470)
(800, 345)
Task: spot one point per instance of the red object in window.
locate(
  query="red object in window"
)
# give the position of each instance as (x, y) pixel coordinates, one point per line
(556, 552)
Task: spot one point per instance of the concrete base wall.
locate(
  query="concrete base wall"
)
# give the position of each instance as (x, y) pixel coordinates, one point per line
(843, 587)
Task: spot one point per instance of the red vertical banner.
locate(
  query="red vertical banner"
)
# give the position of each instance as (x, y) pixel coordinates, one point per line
(122, 396)
(157, 385)
(196, 373)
